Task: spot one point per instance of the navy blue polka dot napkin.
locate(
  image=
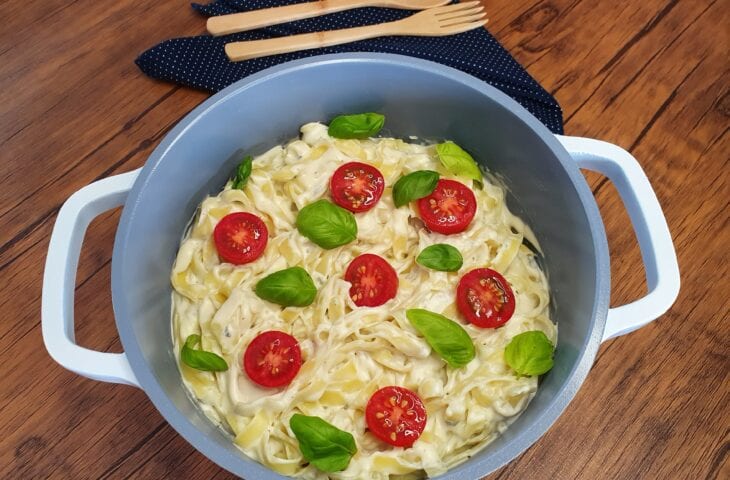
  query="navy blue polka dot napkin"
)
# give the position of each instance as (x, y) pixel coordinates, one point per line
(201, 62)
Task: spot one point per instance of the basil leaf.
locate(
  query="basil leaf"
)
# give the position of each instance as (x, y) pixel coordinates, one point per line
(361, 125)
(445, 336)
(413, 186)
(326, 224)
(322, 444)
(242, 173)
(442, 257)
(289, 287)
(530, 353)
(458, 161)
(200, 359)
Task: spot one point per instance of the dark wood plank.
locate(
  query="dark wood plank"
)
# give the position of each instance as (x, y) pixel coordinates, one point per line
(650, 76)
(82, 98)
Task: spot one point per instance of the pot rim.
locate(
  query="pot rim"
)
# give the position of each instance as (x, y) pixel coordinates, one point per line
(498, 457)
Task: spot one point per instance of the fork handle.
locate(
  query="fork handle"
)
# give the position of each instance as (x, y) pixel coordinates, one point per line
(240, 22)
(238, 51)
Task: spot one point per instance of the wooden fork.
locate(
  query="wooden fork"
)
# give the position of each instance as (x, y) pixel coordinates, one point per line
(439, 21)
(240, 22)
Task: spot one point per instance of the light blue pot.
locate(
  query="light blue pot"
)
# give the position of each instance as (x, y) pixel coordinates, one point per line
(418, 98)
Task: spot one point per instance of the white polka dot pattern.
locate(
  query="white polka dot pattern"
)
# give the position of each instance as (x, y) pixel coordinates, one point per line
(200, 62)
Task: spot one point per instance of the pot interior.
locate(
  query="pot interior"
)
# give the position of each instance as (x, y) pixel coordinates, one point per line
(418, 98)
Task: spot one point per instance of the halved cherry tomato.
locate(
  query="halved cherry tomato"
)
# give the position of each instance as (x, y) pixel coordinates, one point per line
(357, 186)
(272, 359)
(240, 238)
(396, 415)
(373, 280)
(485, 298)
(449, 208)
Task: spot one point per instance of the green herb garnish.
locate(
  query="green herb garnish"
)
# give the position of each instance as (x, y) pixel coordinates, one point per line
(530, 353)
(289, 287)
(445, 336)
(200, 359)
(323, 445)
(361, 125)
(442, 257)
(413, 186)
(458, 161)
(243, 171)
(326, 224)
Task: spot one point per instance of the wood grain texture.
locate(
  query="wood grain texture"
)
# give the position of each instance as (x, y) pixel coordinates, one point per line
(650, 76)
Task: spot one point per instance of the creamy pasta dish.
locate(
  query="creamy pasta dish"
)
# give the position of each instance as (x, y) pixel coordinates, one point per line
(351, 306)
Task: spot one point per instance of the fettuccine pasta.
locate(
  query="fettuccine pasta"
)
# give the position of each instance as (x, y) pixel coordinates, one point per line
(349, 352)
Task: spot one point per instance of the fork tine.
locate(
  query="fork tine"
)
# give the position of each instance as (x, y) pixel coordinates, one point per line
(461, 20)
(460, 13)
(478, 6)
(452, 7)
(463, 27)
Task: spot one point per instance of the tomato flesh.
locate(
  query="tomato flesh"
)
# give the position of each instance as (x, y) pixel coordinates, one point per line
(373, 280)
(449, 209)
(240, 238)
(357, 186)
(396, 415)
(485, 298)
(272, 359)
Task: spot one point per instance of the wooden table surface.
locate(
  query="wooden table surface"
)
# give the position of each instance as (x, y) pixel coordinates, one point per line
(650, 76)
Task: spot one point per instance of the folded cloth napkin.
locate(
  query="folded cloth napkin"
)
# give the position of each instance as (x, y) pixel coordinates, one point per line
(201, 61)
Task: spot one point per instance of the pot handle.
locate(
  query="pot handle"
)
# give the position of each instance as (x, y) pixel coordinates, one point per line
(59, 281)
(650, 226)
